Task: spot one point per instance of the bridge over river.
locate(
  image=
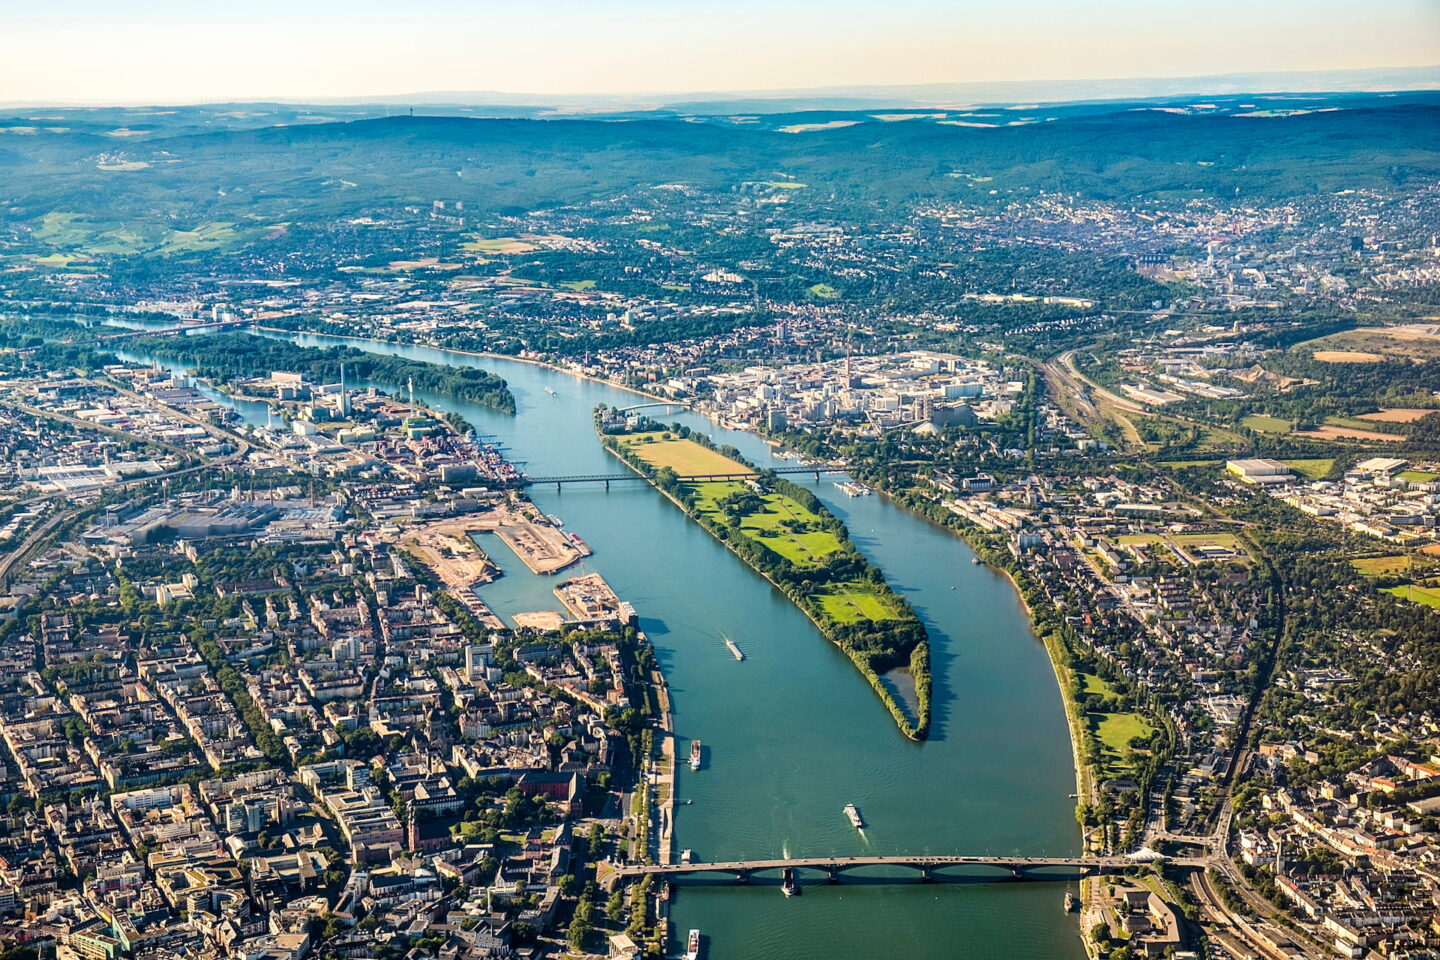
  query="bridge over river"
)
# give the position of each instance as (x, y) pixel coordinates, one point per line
(607, 478)
(1018, 868)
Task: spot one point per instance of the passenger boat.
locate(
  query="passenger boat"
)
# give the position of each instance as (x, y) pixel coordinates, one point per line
(692, 946)
(789, 887)
(854, 815)
(686, 855)
(1071, 903)
(735, 651)
(695, 754)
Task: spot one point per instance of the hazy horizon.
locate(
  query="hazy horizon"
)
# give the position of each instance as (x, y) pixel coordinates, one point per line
(168, 52)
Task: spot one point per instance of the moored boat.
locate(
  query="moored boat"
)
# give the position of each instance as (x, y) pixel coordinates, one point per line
(695, 750)
(692, 946)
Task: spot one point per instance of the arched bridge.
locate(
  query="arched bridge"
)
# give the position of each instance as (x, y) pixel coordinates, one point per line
(1019, 868)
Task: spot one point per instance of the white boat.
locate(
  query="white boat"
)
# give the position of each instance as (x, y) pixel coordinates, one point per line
(551, 391)
(692, 946)
(695, 750)
(854, 815)
(686, 854)
(734, 650)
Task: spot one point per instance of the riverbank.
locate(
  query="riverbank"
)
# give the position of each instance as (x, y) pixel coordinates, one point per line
(805, 553)
(480, 355)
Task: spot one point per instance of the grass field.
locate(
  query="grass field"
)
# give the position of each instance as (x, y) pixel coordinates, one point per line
(578, 284)
(1226, 540)
(1314, 469)
(1263, 424)
(685, 457)
(1380, 566)
(1090, 683)
(1114, 732)
(1181, 464)
(1126, 539)
(824, 291)
(1419, 476)
(854, 601)
(498, 245)
(767, 525)
(1429, 596)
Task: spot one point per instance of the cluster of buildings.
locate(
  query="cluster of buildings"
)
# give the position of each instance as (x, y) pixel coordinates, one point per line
(1378, 497)
(914, 387)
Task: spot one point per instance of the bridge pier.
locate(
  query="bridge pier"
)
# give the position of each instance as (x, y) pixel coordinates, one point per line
(742, 876)
(832, 875)
(927, 873)
(557, 486)
(607, 484)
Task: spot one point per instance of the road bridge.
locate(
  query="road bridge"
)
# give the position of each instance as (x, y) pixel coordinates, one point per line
(608, 478)
(655, 403)
(181, 330)
(928, 867)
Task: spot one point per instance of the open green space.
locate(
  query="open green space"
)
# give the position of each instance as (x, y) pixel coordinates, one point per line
(577, 284)
(1429, 596)
(780, 523)
(685, 457)
(1097, 686)
(1182, 464)
(824, 291)
(1145, 539)
(854, 601)
(1382, 566)
(1314, 469)
(1419, 476)
(1265, 424)
(1114, 731)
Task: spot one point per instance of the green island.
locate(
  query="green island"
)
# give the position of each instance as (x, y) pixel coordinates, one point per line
(787, 535)
(226, 356)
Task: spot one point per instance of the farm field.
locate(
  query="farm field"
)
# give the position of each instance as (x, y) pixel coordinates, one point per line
(1345, 433)
(685, 457)
(1261, 423)
(1397, 415)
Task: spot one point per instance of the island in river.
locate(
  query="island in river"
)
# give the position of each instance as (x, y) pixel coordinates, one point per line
(787, 535)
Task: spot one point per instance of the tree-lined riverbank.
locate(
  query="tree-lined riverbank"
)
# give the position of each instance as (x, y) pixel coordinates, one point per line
(787, 535)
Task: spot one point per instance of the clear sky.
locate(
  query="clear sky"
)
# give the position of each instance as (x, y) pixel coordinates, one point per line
(195, 50)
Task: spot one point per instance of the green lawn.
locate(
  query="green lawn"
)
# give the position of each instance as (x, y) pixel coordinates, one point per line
(578, 284)
(824, 291)
(1263, 424)
(1314, 469)
(1381, 566)
(1114, 732)
(1126, 539)
(1090, 683)
(1429, 596)
(854, 601)
(766, 526)
(1419, 476)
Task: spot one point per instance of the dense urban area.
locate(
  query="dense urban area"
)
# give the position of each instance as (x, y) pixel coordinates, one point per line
(254, 703)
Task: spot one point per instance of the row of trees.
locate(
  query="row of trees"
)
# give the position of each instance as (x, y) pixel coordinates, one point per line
(874, 646)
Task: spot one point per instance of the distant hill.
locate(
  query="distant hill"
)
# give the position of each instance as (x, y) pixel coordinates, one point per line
(231, 165)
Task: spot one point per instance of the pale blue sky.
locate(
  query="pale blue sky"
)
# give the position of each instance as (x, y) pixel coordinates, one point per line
(193, 50)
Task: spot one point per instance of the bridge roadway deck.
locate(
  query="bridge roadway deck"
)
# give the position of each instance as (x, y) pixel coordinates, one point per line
(695, 478)
(925, 864)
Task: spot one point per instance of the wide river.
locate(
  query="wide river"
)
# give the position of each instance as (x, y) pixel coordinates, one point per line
(793, 732)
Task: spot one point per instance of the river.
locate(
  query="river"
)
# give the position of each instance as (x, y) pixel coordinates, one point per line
(794, 732)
